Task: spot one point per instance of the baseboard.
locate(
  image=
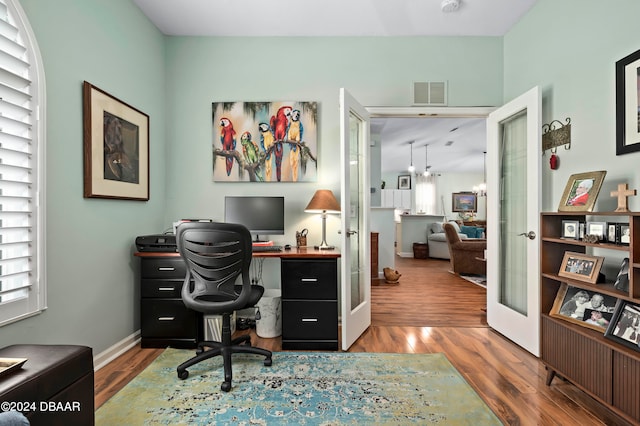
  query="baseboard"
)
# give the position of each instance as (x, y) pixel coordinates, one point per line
(111, 353)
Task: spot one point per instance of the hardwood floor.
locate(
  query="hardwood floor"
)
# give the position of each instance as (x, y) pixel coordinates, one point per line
(432, 310)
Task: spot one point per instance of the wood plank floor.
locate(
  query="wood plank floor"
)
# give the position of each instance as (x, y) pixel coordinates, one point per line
(432, 310)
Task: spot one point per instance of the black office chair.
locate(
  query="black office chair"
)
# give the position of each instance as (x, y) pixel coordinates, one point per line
(216, 254)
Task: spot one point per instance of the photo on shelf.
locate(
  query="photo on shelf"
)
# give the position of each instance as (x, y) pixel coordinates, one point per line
(625, 325)
(581, 267)
(587, 308)
(622, 280)
(581, 192)
(597, 228)
(624, 234)
(612, 233)
(570, 229)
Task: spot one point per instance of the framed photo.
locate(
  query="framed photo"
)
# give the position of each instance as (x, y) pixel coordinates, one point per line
(612, 233)
(622, 279)
(570, 229)
(597, 228)
(584, 307)
(116, 147)
(464, 202)
(581, 267)
(624, 234)
(404, 182)
(581, 192)
(625, 325)
(627, 104)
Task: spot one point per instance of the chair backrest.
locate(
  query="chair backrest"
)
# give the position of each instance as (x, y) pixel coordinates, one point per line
(451, 234)
(216, 254)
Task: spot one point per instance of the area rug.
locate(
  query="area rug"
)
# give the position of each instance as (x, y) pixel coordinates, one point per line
(300, 388)
(480, 280)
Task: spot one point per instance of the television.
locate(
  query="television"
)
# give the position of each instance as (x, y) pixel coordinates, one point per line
(259, 214)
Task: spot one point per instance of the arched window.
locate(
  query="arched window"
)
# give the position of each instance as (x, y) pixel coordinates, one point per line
(22, 260)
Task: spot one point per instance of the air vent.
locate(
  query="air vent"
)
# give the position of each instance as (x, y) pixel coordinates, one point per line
(430, 93)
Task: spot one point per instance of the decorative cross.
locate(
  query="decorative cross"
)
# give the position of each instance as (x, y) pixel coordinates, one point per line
(622, 193)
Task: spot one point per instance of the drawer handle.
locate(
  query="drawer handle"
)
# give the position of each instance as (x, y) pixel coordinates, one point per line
(166, 268)
(309, 319)
(309, 280)
(165, 288)
(166, 318)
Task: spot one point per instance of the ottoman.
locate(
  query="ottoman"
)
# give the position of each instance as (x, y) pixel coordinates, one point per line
(54, 386)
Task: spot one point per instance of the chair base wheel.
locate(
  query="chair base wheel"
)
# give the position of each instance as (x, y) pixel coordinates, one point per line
(183, 374)
(268, 362)
(226, 386)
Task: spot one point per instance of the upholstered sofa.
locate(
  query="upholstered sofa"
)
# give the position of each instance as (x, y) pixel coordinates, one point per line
(437, 239)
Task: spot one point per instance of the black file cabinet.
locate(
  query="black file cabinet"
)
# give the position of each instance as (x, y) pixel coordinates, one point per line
(165, 321)
(309, 303)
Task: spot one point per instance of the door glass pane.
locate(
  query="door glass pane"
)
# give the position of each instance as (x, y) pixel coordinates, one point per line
(513, 209)
(356, 211)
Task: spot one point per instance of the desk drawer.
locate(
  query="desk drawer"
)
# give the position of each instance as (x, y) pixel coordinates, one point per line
(168, 318)
(310, 320)
(170, 267)
(163, 289)
(309, 279)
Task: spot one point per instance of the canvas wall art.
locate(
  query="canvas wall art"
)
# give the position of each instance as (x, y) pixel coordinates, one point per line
(265, 141)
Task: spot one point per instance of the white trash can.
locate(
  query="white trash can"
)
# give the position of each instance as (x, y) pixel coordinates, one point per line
(269, 314)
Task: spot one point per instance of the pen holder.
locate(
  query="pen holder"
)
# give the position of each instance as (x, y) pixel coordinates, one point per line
(301, 240)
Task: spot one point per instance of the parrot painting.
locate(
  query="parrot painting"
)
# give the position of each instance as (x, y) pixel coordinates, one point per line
(267, 141)
(250, 152)
(294, 134)
(279, 124)
(228, 140)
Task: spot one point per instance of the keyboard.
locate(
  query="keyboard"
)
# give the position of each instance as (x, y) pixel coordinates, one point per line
(263, 249)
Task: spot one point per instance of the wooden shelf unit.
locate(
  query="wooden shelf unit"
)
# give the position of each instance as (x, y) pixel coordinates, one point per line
(601, 367)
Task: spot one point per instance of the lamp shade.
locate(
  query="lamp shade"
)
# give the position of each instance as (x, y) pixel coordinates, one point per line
(323, 201)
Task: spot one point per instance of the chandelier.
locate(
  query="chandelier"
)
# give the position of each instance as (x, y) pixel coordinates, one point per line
(481, 189)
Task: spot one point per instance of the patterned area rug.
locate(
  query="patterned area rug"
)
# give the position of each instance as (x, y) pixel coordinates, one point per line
(300, 388)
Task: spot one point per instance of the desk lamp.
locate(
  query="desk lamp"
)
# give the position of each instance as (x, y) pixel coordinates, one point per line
(323, 202)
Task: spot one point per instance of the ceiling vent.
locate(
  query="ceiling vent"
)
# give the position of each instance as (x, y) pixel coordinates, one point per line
(430, 93)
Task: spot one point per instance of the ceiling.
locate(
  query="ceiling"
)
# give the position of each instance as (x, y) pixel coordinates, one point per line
(362, 18)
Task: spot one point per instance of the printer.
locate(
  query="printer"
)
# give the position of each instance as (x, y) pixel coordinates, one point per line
(157, 243)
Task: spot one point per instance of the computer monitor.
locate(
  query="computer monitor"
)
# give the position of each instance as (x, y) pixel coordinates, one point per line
(261, 215)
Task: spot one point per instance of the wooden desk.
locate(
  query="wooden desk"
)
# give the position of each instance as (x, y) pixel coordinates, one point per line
(309, 285)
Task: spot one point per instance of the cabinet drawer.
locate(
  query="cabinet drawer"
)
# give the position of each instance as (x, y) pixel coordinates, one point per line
(316, 320)
(170, 267)
(309, 279)
(167, 289)
(168, 318)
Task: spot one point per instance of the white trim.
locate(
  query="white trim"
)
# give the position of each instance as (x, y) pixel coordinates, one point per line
(113, 352)
(483, 111)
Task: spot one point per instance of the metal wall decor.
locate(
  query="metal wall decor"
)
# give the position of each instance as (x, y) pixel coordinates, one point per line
(553, 136)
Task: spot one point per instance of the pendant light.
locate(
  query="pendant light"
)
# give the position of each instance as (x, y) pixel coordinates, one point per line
(426, 161)
(481, 189)
(411, 168)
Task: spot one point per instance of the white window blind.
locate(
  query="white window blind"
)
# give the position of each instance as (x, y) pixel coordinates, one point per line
(22, 289)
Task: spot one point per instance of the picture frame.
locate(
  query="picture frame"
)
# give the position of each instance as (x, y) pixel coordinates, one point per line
(586, 308)
(581, 191)
(570, 229)
(624, 327)
(464, 202)
(404, 182)
(627, 102)
(612, 233)
(597, 228)
(116, 147)
(622, 279)
(581, 267)
(623, 233)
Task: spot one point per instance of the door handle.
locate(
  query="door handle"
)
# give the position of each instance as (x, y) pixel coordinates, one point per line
(350, 233)
(530, 235)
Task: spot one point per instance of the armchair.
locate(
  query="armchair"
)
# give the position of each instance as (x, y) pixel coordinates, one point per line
(216, 255)
(465, 253)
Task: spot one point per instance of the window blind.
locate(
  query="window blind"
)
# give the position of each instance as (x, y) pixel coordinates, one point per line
(21, 293)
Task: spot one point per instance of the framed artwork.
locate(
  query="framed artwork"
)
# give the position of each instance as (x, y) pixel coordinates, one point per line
(598, 229)
(622, 279)
(584, 307)
(265, 141)
(581, 267)
(116, 147)
(628, 104)
(625, 325)
(624, 234)
(404, 182)
(570, 229)
(581, 192)
(464, 202)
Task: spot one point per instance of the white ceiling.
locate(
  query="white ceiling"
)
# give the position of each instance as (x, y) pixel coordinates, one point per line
(361, 18)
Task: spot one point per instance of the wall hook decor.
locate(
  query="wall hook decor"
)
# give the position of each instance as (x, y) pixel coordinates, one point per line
(553, 136)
